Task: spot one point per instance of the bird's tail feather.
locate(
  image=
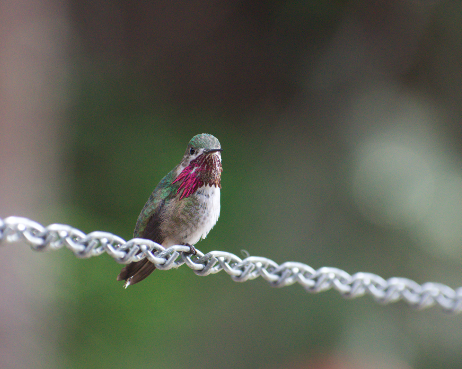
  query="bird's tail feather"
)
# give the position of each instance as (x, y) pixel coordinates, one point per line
(136, 272)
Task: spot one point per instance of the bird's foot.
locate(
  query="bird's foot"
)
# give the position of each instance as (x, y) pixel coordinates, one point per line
(192, 249)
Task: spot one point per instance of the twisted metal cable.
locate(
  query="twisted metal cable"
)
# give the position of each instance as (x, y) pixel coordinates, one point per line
(55, 236)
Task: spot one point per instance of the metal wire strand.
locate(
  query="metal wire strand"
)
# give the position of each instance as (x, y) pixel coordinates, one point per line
(56, 236)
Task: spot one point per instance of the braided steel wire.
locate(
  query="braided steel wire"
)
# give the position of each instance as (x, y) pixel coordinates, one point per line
(56, 236)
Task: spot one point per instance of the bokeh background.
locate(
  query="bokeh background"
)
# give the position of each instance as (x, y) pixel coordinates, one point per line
(341, 128)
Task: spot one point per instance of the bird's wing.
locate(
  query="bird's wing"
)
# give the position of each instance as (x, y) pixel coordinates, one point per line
(149, 220)
(148, 226)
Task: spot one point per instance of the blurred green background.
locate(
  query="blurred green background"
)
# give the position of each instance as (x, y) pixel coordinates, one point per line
(341, 128)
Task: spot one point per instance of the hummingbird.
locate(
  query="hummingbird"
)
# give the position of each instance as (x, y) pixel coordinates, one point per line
(184, 206)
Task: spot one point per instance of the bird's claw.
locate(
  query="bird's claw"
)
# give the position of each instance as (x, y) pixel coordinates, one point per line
(192, 249)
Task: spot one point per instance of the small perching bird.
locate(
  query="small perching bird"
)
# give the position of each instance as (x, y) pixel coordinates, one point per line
(184, 206)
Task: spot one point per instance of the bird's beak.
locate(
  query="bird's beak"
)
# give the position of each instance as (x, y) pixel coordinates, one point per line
(212, 151)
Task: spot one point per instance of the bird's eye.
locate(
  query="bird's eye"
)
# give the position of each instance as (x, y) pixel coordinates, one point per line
(192, 151)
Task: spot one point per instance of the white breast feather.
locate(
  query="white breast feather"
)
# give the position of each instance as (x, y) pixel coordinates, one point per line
(209, 197)
(214, 204)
